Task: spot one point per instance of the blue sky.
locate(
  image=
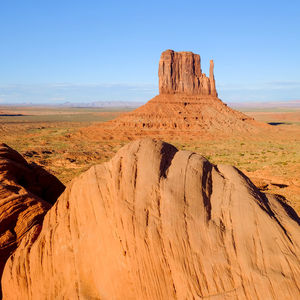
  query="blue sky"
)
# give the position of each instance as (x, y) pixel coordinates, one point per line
(84, 51)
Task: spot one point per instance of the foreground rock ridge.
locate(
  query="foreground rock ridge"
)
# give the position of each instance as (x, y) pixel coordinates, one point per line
(180, 72)
(158, 223)
(26, 194)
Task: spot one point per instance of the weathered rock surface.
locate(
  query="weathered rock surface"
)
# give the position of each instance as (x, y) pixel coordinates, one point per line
(157, 223)
(26, 194)
(180, 72)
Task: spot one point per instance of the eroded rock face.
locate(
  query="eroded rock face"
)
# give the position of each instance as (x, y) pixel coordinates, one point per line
(26, 194)
(180, 72)
(157, 223)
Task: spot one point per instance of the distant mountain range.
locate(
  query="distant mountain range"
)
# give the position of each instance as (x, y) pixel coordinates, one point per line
(130, 104)
(96, 104)
(135, 104)
(269, 104)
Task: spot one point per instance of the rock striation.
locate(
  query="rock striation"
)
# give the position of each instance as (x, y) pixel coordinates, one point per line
(26, 194)
(158, 223)
(180, 72)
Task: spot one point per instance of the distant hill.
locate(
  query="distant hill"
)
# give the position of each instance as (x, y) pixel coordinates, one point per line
(271, 105)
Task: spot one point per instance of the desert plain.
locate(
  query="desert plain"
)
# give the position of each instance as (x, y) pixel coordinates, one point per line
(53, 137)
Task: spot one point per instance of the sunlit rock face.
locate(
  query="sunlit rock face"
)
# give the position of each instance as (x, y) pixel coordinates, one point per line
(158, 223)
(180, 72)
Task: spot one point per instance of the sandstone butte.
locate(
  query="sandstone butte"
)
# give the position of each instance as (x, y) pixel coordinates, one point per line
(156, 223)
(187, 105)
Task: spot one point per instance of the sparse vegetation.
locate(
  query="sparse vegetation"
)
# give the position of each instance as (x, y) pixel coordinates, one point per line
(53, 143)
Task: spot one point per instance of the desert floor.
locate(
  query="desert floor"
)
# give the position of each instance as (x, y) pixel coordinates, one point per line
(48, 137)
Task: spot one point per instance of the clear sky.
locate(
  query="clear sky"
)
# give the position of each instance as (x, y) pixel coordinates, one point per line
(88, 50)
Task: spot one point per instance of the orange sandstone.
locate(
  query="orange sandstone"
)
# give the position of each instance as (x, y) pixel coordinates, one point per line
(158, 223)
(26, 194)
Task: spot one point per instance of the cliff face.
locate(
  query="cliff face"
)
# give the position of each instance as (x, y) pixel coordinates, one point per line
(180, 72)
(158, 223)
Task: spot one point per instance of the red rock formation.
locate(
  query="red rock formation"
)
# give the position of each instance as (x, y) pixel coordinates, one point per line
(187, 106)
(157, 223)
(180, 72)
(22, 208)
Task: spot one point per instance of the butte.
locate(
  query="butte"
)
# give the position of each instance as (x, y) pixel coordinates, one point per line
(187, 106)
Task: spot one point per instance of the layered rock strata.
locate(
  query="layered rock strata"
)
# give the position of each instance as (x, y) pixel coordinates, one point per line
(26, 194)
(184, 113)
(158, 223)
